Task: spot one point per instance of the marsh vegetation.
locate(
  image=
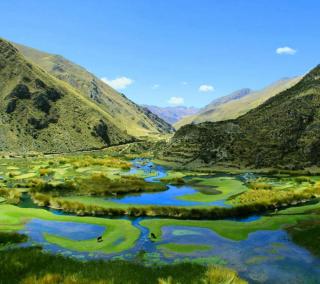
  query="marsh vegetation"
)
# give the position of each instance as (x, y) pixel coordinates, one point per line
(96, 184)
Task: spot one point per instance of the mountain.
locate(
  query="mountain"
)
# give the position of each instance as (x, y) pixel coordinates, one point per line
(172, 114)
(41, 113)
(282, 132)
(128, 116)
(237, 103)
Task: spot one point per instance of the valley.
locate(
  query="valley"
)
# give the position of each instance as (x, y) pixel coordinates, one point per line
(69, 218)
(172, 142)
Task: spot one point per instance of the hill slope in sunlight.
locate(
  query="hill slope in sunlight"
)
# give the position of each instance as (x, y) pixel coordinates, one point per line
(237, 103)
(282, 132)
(128, 116)
(41, 113)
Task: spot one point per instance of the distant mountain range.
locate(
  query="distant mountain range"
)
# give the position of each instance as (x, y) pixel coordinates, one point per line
(172, 114)
(49, 104)
(237, 103)
(284, 131)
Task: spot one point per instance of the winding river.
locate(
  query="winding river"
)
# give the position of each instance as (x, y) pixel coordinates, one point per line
(264, 257)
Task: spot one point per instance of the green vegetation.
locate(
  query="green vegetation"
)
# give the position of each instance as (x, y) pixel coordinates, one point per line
(96, 173)
(213, 189)
(13, 218)
(307, 234)
(10, 196)
(40, 113)
(237, 103)
(126, 115)
(99, 184)
(183, 248)
(280, 133)
(11, 238)
(31, 265)
(216, 275)
(239, 230)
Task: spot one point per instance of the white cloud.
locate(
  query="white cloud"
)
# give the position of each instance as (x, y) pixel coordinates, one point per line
(176, 101)
(155, 86)
(184, 83)
(285, 50)
(119, 83)
(206, 88)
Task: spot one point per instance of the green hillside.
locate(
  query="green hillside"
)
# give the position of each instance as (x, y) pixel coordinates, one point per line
(282, 132)
(41, 113)
(127, 115)
(237, 103)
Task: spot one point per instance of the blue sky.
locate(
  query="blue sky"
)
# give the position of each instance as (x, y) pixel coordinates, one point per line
(164, 51)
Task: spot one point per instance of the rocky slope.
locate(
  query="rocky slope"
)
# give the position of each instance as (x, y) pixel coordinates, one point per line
(282, 132)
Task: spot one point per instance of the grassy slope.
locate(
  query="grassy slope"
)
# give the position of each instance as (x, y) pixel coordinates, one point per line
(127, 115)
(237, 230)
(47, 115)
(236, 107)
(282, 132)
(13, 218)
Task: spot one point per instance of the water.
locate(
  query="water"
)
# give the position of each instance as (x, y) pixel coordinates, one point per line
(163, 198)
(36, 229)
(263, 257)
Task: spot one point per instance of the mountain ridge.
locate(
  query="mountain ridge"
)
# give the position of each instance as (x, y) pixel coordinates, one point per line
(127, 115)
(233, 106)
(284, 132)
(171, 114)
(40, 113)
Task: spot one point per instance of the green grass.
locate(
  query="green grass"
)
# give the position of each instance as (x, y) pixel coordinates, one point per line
(7, 238)
(14, 218)
(306, 234)
(237, 230)
(228, 186)
(183, 248)
(34, 266)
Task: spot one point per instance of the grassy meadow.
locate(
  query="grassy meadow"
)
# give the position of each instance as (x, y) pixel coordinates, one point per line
(87, 185)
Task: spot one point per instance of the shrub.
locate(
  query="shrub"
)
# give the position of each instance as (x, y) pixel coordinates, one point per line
(45, 171)
(12, 238)
(222, 275)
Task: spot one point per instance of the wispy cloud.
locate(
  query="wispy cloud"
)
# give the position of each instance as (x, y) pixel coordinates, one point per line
(184, 83)
(155, 86)
(206, 88)
(119, 83)
(176, 101)
(285, 50)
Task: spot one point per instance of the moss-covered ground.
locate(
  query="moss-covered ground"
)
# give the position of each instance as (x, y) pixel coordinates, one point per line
(13, 218)
(235, 230)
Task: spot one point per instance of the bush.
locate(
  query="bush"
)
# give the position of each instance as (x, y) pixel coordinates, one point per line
(12, 238)
(45, 172)
(222, 275)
